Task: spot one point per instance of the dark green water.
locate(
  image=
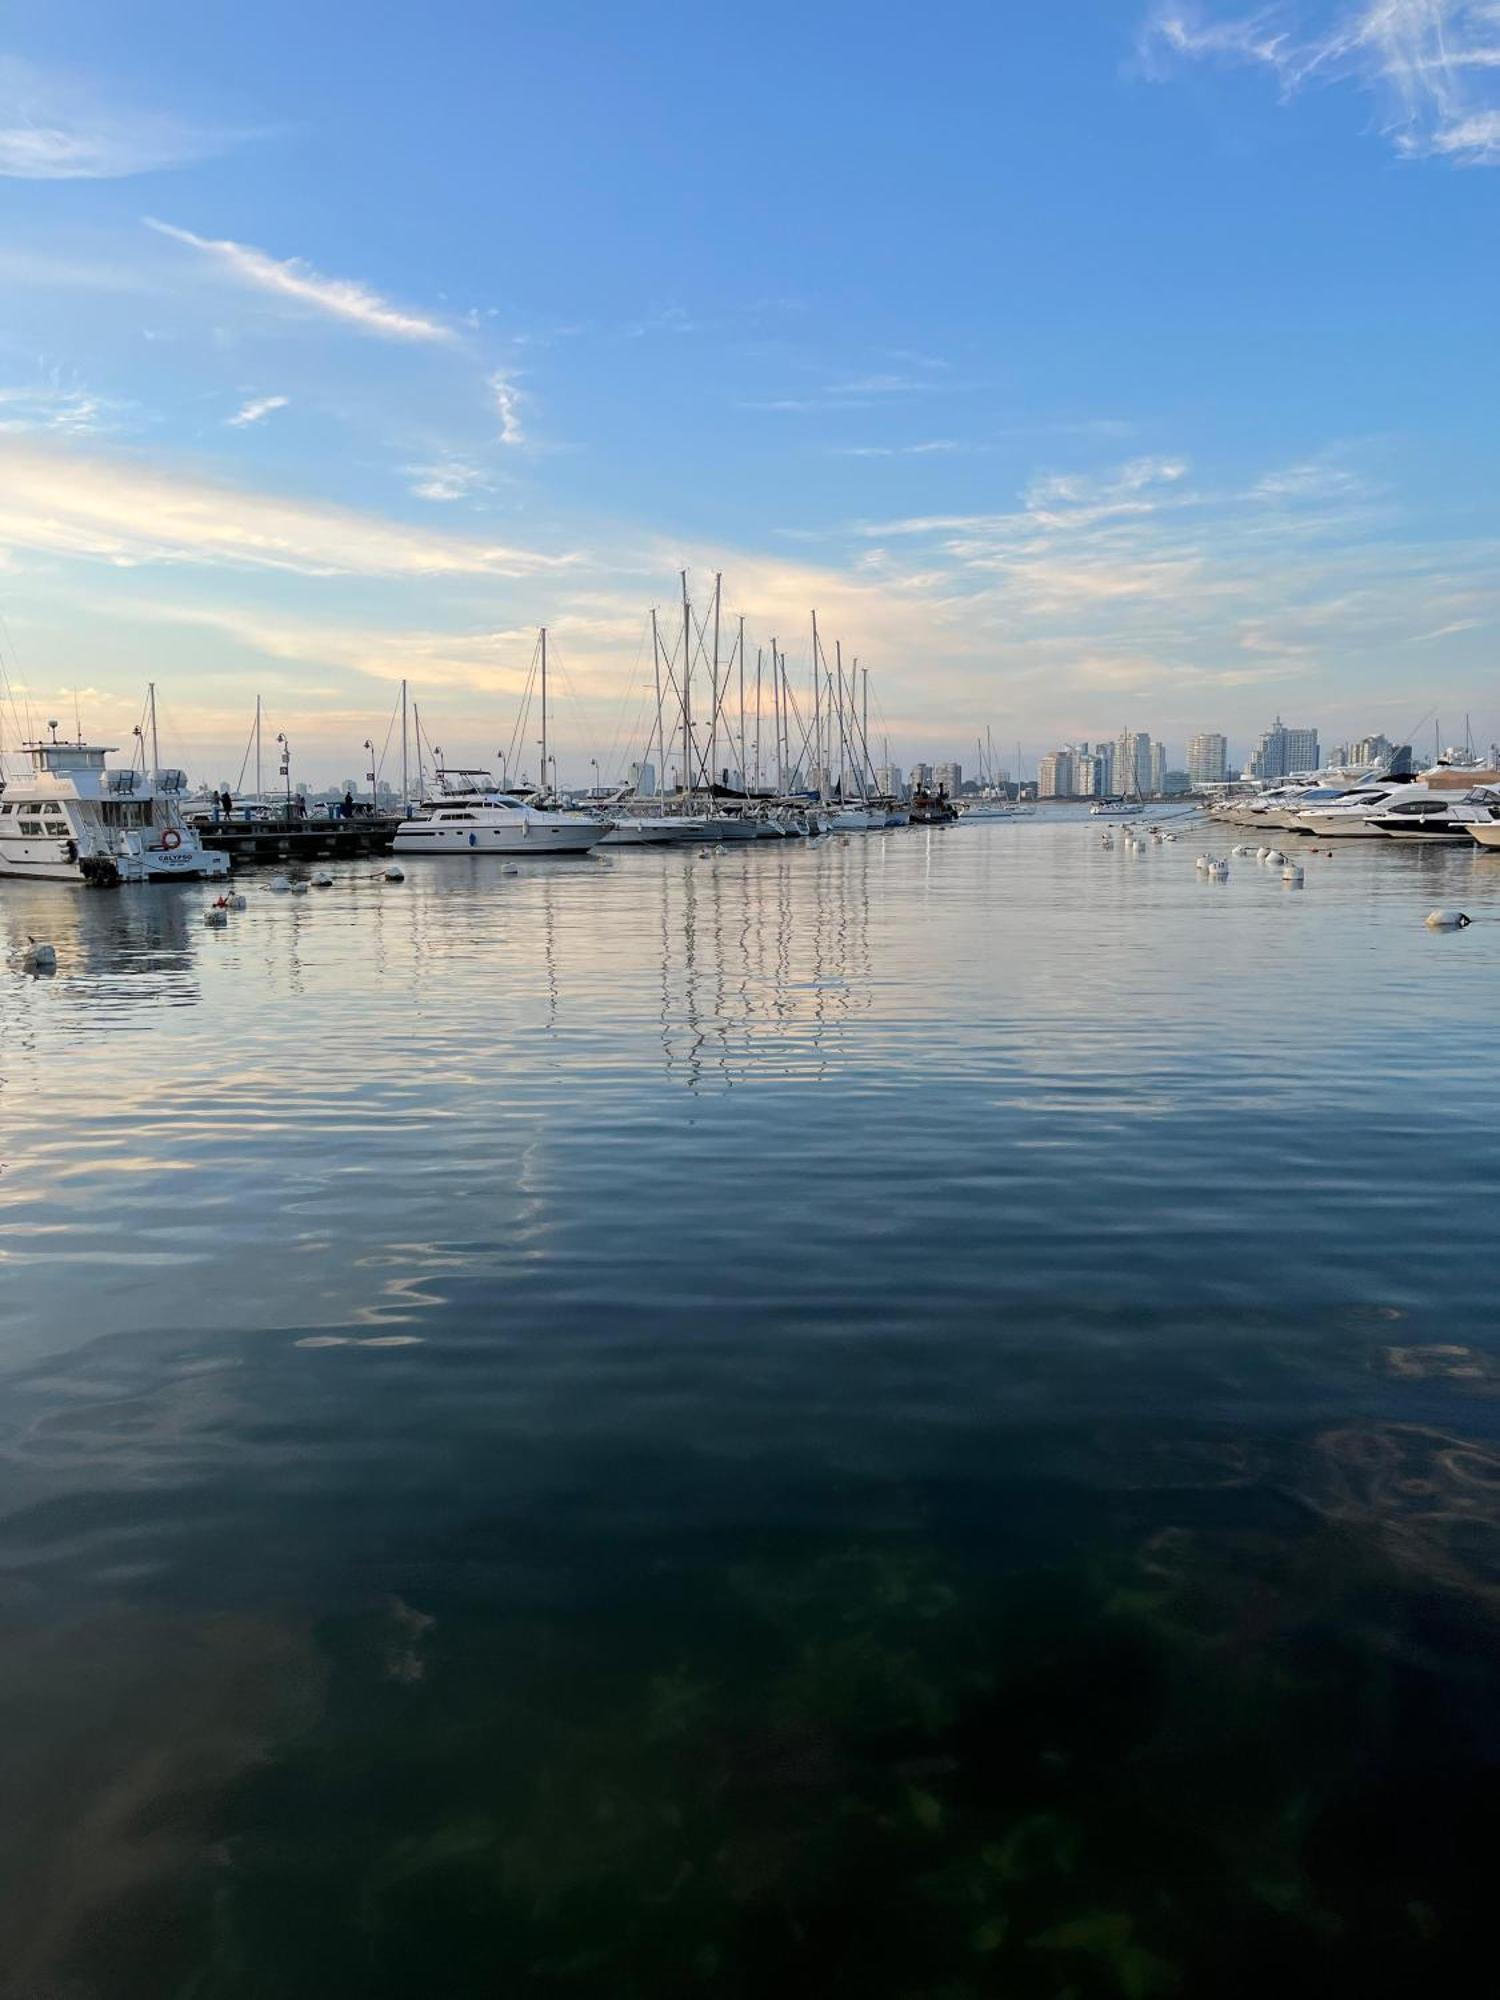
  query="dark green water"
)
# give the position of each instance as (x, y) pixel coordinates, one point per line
(911, 1418)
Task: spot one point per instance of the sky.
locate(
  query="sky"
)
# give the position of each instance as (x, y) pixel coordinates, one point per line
(1085, 364)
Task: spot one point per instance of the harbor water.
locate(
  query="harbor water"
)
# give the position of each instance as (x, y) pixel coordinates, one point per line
(913, 1415)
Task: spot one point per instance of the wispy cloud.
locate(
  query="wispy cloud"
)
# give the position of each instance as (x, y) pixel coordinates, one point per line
(256, 411)
(66, 412)
(59, 128)
(507, 399)
(338, 298)
(927, 448)
(448, 479)
(123, 512)
(1434, 65)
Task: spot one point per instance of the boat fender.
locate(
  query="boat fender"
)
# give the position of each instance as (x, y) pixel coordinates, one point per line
(279, 885)
(1292, 877)
(40, 957)
(395, 874)
(1447, 920)
(216, 916)
(473, 840)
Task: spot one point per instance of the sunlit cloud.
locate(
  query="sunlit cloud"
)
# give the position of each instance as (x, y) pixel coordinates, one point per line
(124, 512)
(342, 299)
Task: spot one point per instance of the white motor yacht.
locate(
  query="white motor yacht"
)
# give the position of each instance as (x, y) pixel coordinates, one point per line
(496, 823)
(1431, 816)
(1353, 816)
(72, 819)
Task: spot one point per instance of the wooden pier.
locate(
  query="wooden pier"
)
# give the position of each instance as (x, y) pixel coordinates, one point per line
(276, 842)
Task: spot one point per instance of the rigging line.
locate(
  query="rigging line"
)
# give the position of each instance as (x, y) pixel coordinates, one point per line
(523, 713)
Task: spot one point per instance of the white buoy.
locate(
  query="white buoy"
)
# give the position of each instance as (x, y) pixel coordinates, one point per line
(510, 868)
(1244, 851)
(216, 916)
(395, 873)
(279, 885)
(234, 902)
(1447, 920)
(322, 881)
(1275, 858)
(1203, 863)
(1292, 876)
(40, 957)
(1218, 871)
(705, 854)
(1262, 853)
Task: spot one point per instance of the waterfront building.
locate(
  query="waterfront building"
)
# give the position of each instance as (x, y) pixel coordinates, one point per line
(643, 780)
(1055, 775)
(1132, 772)
(1284, 752)
(1091, 776)
(1208, 758)
(888, 780)
(1158, 769)
(950, 779)
(1175, 784)
(921, 777)
(1104, 754)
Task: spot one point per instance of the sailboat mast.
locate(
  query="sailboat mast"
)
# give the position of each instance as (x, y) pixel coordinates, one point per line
(687, 697)
(758, 651)
(661, 741)
(257, 747)
(817, 692)
(543, 709)
(155, 749)
(713, 721)
(742, 699)
(776, 718)
(405, 779)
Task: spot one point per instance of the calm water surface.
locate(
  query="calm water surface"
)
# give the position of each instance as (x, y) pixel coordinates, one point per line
(912, 1417)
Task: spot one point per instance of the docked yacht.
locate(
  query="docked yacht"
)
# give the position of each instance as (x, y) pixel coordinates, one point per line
(485, 822)
(73, 819)
(1353, 815)
(1430, 816)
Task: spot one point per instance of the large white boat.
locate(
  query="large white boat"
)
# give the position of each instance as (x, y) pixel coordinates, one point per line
(1353, 815)
(1434, 816)
(1117, 809)
(71, 818)
(496, 823)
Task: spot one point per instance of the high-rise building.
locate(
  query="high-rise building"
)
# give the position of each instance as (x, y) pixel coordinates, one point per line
(888, 778)
(1132, 773)
(1090, 776)
(1208, 758)
(1104, 753)
(921, 777)
(950, 779)
(643, 780)
(1158, 769)
(1055, 775)
(1370, 750)
(1285, 753)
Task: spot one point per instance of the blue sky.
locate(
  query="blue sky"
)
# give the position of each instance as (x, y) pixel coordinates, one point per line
(1085, 365)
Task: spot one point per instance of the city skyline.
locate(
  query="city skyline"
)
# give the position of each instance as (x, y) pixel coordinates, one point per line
(318, 375)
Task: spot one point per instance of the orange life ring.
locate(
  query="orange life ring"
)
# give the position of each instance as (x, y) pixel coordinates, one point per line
(171, 839)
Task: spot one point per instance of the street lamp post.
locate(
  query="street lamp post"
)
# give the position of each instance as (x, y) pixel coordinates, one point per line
(286, 769)
(370, 774)
(594, 766)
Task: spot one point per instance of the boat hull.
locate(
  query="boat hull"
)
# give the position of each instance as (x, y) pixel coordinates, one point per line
(535, 843)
